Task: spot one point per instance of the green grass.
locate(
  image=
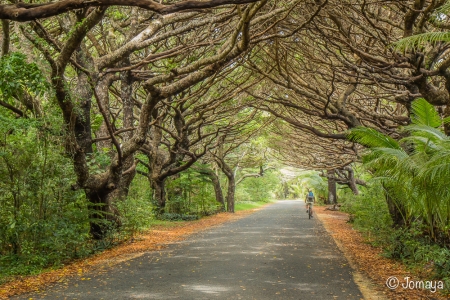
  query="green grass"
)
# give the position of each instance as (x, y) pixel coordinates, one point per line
(165, 223)
(248, 205)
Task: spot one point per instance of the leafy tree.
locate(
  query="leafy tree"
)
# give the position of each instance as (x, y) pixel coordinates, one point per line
(413, 169)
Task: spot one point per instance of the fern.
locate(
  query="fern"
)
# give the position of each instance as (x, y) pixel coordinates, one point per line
(423, 113)
(371, 138)
(431, 133)
(418, 40)
(444, 9)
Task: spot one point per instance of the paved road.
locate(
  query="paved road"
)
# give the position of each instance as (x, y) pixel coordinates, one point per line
(275, 253)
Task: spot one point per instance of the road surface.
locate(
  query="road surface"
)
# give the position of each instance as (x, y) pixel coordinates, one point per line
(274, 253)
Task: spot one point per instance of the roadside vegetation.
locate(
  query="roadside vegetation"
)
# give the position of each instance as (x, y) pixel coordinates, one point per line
(113, 118)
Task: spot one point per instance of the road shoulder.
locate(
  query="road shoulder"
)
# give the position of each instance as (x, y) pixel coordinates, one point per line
(371, 269)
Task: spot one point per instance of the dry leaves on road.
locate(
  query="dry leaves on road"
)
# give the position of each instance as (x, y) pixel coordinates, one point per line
(367, 258)
(156, 238)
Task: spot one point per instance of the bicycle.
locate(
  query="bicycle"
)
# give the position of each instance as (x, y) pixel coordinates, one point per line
(310, 211)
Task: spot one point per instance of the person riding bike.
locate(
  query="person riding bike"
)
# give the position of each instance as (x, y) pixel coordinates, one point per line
(309, 200)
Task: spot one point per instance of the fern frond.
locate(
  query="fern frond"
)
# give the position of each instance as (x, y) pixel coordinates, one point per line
(444, 9)
(371, 138)
(421, 144)
(415, 41)
(431, 133)
(423, 113)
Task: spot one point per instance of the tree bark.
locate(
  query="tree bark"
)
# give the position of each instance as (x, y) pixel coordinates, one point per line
(230, 192)
(352, 180)
(5, 38)
(159, 194)
(103, 215)
(332, 195)
(217, 189)
(128, 120)
(23, 12)
(216, 184)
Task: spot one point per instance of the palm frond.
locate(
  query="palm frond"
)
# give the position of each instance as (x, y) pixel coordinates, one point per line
(371, 138)
(415, 41)
(431, 133)
(444, 9)
(423, 113)
(387, 161)
(437, 169)
(420, 144)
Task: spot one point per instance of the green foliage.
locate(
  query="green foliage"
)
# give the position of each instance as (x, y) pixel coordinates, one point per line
(420, 40)
(369, 214)
(135, 215)
(177, 217)
(372, 139)
(424, 114)
(414, 170)
(42, 221)
(17, 74)
(368, 210)
(306, 180)
(259, 189)
(192, 194)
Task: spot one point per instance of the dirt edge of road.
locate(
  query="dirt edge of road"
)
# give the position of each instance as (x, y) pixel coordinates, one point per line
(371, 270)
(156, 238)
(366, 286)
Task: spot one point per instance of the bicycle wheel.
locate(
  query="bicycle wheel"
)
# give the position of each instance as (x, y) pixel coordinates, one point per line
(310, 213)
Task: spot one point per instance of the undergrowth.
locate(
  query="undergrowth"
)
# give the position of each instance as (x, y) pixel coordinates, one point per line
(369, 214)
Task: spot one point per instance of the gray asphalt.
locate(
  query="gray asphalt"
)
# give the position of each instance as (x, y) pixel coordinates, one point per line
(274, 253)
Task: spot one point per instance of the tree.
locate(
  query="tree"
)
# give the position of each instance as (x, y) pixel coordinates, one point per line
(413, 169)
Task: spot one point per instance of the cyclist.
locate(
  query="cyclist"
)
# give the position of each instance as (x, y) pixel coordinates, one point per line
(309, 200)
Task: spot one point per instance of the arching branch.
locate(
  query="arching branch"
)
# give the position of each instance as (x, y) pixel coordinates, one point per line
(30, 11)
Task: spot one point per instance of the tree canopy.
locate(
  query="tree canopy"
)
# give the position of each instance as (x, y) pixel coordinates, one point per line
(186, 97)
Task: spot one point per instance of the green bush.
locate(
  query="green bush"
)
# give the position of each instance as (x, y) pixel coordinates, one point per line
(42, 221)
(368, 210)
(369, 214)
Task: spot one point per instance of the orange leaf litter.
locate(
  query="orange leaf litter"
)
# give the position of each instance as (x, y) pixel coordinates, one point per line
(156, 238)
(367, 259)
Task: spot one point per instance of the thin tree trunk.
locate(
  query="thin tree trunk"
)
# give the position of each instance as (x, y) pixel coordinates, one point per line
(447, 114)
(230, 193)
(216, 184)
(5, 38)
(217, 189)
(332, 194)
(352, 180)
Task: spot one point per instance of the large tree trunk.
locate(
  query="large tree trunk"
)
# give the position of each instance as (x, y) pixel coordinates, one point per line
(332, 194)
(103, 215)
(128, 120)
(159, 194)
